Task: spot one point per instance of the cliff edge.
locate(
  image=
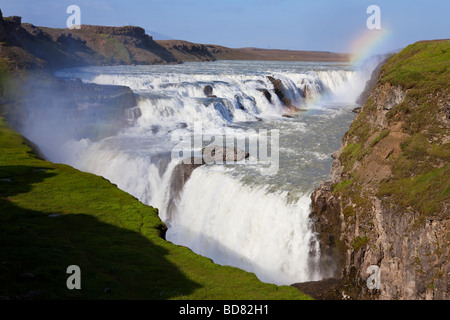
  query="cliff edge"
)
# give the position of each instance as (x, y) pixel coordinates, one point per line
(388, 200)
(25, 46)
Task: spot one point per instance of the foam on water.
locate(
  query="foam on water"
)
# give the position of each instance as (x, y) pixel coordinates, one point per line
(230, 213)
(246, 227)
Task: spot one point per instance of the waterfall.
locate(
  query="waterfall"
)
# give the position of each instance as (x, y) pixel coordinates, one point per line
(232, 214)
(246, 227)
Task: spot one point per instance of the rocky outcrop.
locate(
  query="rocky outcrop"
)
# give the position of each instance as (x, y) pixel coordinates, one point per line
(326, 216)
(216, 154)
(26, 46)
(210, 155)
(30, 47)
(188, 51)
(290, 111)
(387, 201)
(208, 91)
(278, 87)
(266, 94)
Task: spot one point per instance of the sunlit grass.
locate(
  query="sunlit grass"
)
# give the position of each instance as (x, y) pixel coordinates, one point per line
(53, 216)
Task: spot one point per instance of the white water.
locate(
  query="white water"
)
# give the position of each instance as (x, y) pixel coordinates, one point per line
(230, 213)
(246, 227)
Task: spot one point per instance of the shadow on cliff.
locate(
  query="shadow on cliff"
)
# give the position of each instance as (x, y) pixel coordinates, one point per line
(36, 247)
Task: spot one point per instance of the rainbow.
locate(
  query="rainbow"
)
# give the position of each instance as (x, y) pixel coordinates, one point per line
(366, 44)
(363, 46)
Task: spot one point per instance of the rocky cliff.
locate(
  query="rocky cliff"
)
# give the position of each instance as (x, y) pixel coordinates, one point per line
(388, 200)
(28, 89)
(26, 46)
(188, 51)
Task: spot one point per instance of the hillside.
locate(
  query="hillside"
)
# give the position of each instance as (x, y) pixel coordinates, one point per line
(25, 46)
(388, 200)
(53, 216)
(187, 51)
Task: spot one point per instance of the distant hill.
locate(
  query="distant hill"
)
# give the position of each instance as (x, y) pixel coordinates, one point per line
(188, 51)
(25, 46)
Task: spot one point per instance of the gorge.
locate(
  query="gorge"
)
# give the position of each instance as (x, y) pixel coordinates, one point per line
(113, 108)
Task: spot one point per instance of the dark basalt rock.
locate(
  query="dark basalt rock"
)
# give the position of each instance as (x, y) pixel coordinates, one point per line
(208, 90)
(217, 154)
(183, 171)
(267, 94)
(278, 87)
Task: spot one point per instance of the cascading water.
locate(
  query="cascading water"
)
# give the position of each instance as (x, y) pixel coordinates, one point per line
(230, 213)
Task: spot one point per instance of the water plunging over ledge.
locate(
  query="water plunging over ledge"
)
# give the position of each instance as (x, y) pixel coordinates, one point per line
(230, 213)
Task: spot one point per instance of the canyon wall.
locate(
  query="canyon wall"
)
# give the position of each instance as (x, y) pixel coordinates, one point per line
(387, 203)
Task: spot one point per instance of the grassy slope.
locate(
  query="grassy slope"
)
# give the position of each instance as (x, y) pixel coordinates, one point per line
(422, 173)
(111, 236)
(420, 177)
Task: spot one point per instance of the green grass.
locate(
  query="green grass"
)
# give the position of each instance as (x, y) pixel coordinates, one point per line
(423, 69)
(115, 49)
(383, 134)
(359, 242)
(360, 131)
(342, 185)
(4, 75)
(114, 239)
(422, 64)
(420, 174)
(425, 192)
(352, 152)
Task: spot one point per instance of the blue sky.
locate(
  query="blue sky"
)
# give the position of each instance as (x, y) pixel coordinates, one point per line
(328, 25)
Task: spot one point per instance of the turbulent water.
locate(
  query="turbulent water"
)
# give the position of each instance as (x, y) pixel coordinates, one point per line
(236, 214)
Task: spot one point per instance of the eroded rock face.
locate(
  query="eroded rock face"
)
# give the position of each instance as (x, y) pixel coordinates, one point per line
(278, 87)
(210, 155)
(412, 259)
(31, 47)
(385, 97)
(360, 227)
(180, 175)
(326, 215)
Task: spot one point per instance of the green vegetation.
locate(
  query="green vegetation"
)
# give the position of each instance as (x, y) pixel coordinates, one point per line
(383, 134)
(341, 185)
(53, 216)
(360, 131)
(422, 68)
(359, 242)
(423, 64)
(421, 175)
(420, 179)
(4, 75)
(348, 212)
(351, 153)
(425, 192)
(113, 48)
